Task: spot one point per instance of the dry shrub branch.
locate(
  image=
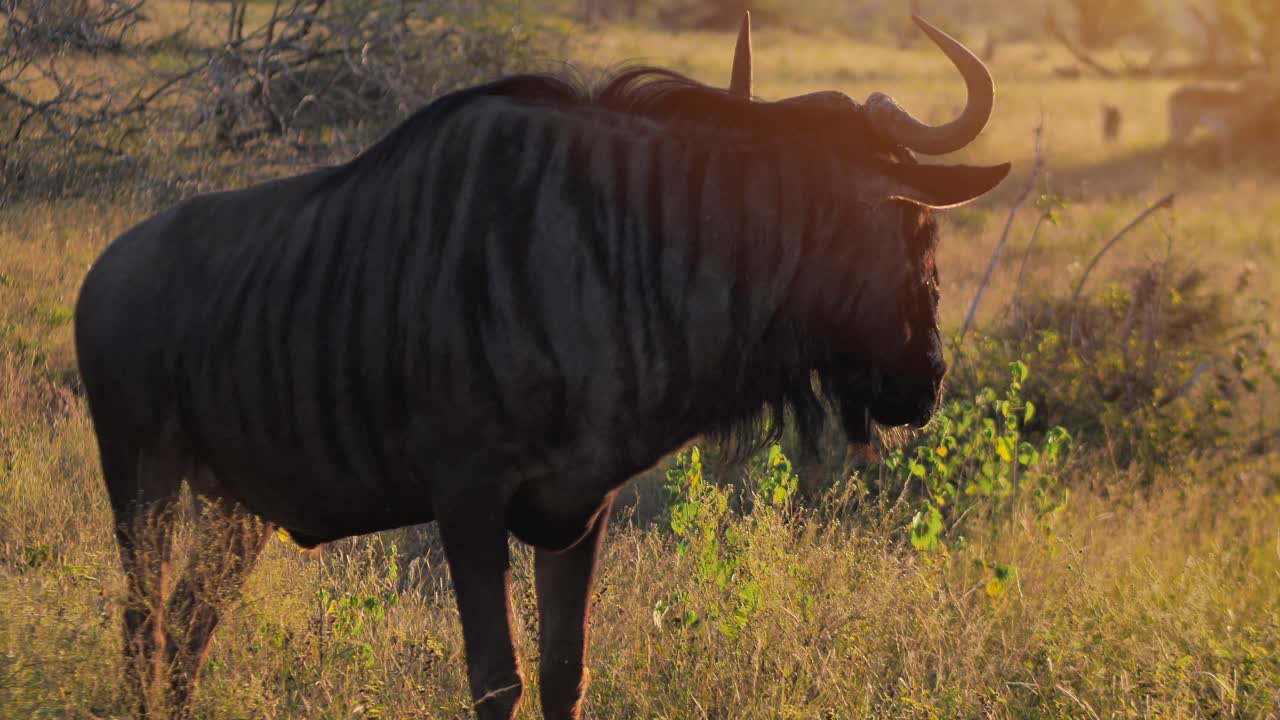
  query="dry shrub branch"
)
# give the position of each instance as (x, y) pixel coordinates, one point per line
(349, 66)
(45, 26)
(295, 81)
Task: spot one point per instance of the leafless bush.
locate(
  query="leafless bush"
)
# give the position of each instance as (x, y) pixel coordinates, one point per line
(42, 26)
(45, 103)
(1224, 38)
(42, 100)
(347, 66)
(61, 125)
(314, 79)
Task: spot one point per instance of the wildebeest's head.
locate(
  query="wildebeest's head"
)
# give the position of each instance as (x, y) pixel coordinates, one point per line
(888, 363)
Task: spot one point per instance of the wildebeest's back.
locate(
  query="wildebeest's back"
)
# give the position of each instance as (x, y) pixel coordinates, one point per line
(315, 331)
(502, 284)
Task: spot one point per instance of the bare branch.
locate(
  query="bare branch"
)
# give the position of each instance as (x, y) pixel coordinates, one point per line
(1054, 28)
(1026, 256)
(1165, 202)
(316, 77)
(1004, 236)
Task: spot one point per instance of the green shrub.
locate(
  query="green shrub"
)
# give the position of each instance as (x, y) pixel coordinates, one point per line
(1149, 372)
(977, 459)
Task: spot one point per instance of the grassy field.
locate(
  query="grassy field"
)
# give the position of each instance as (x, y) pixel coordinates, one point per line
(1151, 590)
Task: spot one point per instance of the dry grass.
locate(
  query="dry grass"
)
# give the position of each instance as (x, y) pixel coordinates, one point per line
(1141, 599)
(1134, 605)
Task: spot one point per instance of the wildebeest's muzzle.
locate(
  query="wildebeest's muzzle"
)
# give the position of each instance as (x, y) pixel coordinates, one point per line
(908, 392)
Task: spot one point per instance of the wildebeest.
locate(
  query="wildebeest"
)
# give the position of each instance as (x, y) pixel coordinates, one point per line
(495, 316)
(1231, 114)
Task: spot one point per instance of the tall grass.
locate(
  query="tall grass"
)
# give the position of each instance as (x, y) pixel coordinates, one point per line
(1129, 604)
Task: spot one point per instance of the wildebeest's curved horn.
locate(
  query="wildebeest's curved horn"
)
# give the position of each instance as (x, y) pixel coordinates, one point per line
(740, 80)
(895, 124)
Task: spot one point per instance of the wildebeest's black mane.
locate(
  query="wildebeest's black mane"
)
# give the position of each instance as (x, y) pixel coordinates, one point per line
(683, 105)
(640, 91)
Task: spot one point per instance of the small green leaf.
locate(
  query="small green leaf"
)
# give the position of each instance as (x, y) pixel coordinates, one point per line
(1002, 449)
(926, 526)
(1028, 455)
(1003, 573)
(1019, 371)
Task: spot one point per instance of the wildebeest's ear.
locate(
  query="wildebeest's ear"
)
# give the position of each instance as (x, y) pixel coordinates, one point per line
(943, 186)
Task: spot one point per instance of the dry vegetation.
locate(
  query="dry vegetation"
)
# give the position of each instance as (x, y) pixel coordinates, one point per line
(1132, 570)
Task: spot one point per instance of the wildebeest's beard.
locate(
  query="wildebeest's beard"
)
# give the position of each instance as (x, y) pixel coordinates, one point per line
(849, 393)
(862, 396)
(856, 338)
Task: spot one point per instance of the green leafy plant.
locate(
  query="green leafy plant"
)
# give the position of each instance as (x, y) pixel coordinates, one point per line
(351, 618)
(707, 529)
(1150, 370)
(976, 457)
(772, 477)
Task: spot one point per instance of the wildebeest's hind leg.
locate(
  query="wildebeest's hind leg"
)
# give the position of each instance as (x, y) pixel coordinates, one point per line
(227, 543)
(564, 580)
(143, 488)
(475, 545)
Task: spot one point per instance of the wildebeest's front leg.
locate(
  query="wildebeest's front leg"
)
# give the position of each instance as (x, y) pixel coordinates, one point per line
(475, 544)
(229, 540)
(564, 580)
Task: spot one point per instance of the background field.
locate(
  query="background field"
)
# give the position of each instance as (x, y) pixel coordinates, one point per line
(1138, 575)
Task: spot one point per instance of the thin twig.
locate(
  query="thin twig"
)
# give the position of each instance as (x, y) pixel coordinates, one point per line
(1163, 203)
(1200, 369)
(960, 519)
(1004, 236)
(1054, 29)
(495, 693)
(1026, 256)
(1067, 691)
